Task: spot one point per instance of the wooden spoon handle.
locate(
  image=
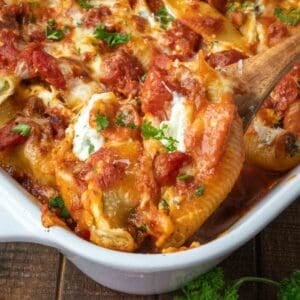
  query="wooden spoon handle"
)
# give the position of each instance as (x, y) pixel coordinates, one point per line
(259, 74)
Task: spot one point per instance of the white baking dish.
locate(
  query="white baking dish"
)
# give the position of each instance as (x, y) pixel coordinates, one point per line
(20, 220)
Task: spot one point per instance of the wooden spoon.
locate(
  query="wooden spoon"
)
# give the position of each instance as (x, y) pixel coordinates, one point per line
(258, 75)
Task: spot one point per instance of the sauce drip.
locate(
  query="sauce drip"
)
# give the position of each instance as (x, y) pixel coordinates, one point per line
(251, 186)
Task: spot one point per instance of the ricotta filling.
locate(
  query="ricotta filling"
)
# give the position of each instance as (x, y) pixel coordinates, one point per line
(266, 134)
(87, 140)
(178, 121)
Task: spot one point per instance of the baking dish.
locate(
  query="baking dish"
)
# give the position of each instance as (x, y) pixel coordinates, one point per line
(20, 221)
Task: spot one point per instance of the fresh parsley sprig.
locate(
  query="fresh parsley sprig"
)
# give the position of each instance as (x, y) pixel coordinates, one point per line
(148, 132)
(290, 17)
(212, 286)
(111, 38)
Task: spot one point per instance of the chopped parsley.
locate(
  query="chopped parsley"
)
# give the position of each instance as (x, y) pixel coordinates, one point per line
(121, 121)
(4, 85)
(64, 213)
(111, 38)
(143, 228)
(58, 202)
(290, 17)
(102, 122)
(163, 204)
(163, 17)
(231, 7)
(246, 5)
(200, 190)
(185, 177)
(52, 33)
(22, 129)
(148, 132)
(91, 147)
(84, 4)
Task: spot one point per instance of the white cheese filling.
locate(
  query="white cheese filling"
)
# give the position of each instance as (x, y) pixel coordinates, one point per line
(88, 140)
(178, 121)
(266, 134)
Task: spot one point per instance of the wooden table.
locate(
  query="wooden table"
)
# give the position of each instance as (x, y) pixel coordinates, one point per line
(38, 272)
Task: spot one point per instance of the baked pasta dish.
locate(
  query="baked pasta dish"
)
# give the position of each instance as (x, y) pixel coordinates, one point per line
(116, 116)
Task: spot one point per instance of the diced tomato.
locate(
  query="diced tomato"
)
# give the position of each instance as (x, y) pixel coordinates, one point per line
(47, 68)
(285, 93)
(123, 73)
(183, 41)
(9, 51)
(9, 139)
(95, 16)
(154, 5)
(167, 166)
(105, 168)
(156, 97)
(220, 5)
(224, 58)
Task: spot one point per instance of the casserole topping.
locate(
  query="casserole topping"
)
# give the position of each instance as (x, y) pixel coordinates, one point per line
(116, 117)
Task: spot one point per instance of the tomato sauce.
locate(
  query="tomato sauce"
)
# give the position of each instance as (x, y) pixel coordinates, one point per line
(253, 184)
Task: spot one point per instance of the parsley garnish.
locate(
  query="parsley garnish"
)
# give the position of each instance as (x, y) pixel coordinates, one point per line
(148, 131)
(102, 122)
(185, 177)
(52, 33)
(200, 190)
(143, 228)
(84, 4)
(4, 85)
(111, 38)
(231, 7)
(91, 147)
(58, 202)
(120, 121)
(212, 285)
(290, 17)
(163, 204)
(163, 17)
(22, 129)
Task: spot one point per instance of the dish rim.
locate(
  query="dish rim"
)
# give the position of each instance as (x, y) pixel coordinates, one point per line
(28, 215)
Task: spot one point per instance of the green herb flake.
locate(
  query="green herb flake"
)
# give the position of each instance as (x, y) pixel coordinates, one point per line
(290, 17)
(85, 4)
(91, 147)
(111, 38)
(4, 85)
(64, 213)
(163, 205)
(200, 190)
(56, 202)
(163, 17)
(121, 121)
(143, 228)
(148, 131)
(231, 7)
(22, 129)
(185, 177)
(52, 33)
(102, 122)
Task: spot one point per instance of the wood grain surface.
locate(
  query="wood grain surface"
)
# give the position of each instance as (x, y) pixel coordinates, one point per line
(38, 272)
